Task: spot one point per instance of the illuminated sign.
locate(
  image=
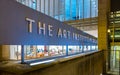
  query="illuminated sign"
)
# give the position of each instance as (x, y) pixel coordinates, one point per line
(30, 27)
(44, 29)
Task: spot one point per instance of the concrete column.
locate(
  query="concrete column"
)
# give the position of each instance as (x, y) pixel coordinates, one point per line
(103, 10)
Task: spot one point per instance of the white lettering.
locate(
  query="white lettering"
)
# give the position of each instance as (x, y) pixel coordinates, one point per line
(59, 32)
(73, 35)
(30, 22)
(50, 30)
(64, 33)
(41, 28)
(68, 34)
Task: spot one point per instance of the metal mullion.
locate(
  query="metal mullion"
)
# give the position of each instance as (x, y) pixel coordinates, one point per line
(49, 7)
(44, 6)
(83, 9)
(90, 13)
(40, 6)
(77, 8)
(90, 9)
(36, 4)
(64, 11)
(58, 10)
(70, 10)
(53, 8)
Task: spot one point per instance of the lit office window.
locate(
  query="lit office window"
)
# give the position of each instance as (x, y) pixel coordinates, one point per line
(35, 51)
(73, 49)
(15, 52)
(93, 47)
(57, 50)
(41, 51)
(84, 48)
(30, 51)
(81, 48)
(89, 48)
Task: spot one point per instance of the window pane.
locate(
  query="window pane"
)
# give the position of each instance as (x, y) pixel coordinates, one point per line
(15, 52)
(57, 50)
(86, 8)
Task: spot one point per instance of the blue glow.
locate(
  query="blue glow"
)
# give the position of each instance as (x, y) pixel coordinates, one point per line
(47, 61)
(80, 9)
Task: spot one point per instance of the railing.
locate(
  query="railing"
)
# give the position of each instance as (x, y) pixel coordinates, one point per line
(86, 64)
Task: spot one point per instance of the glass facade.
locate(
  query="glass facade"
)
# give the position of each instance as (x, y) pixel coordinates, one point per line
(15, 52)
(65, 10)
(114, 40)
(42, 51)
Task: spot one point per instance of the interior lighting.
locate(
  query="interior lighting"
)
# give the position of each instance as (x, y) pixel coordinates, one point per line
(41, 62)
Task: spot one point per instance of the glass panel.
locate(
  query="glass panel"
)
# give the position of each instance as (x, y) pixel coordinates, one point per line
(86, 8)
(73, 10)
(34, 3)
(51, 8)
(56, 10)
(41, 51)
(81, 9)
(42, 6)
(56, 50)
(46, 7)
(114, 58)
(81, 48)
(67, 9)
(15, 52)
(73, 49)
(89, 48)
(93, 47)
(38, 5)
(61, 9)
(30, 51)
(93, 8)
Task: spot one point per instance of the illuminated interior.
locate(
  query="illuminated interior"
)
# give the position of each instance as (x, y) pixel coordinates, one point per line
(64, 10)
(41, 51)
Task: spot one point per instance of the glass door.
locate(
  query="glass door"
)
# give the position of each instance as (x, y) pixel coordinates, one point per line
(115, 57)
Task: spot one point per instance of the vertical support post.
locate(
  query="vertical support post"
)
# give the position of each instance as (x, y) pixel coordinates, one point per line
(66, 50)
(70, 10)
(22, 55)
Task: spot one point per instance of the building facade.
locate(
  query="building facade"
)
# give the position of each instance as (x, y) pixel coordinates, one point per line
(65, 10)
(34, 35)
